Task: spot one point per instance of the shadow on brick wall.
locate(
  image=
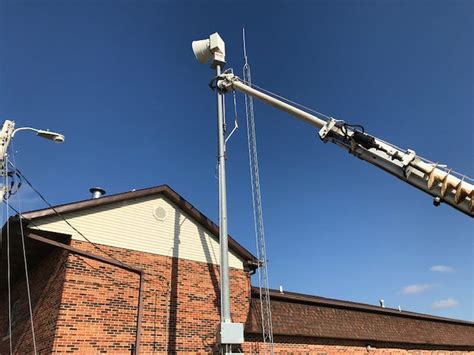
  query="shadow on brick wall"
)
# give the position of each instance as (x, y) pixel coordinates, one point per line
(46, 285)
(173, 304)
(173, 336)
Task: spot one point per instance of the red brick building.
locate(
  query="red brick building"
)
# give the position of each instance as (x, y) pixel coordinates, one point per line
(142, 268)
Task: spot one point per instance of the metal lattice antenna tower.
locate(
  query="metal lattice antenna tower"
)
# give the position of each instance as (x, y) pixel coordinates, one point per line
(266, 312)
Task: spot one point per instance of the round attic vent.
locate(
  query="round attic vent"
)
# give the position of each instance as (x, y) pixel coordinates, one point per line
(159, 213)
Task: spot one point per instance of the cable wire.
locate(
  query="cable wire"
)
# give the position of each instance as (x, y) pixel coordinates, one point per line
(28, 291)
(8, 257)
(236, 118)
(67, 222)
(285, 99)
(158, 276)
(38, 228)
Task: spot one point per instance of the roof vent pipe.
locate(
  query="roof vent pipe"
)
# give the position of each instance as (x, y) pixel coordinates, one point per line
(96, 192)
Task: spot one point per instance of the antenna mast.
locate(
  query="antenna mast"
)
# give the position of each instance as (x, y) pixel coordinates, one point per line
(266, 312)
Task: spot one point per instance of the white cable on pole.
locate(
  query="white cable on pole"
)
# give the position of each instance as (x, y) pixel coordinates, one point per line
(236, 121)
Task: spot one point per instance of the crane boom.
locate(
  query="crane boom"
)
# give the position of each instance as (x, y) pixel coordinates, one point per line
(436, 180)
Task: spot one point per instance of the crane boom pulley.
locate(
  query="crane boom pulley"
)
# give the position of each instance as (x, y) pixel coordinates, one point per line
(438, 181)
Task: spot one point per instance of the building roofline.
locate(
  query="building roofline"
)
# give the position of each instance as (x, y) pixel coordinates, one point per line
(234, 246)
(293, 297)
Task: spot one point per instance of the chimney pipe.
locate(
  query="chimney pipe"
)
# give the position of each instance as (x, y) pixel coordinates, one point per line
(96, 192)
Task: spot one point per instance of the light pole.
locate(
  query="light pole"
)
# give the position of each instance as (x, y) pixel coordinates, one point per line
(6, 135)
(230, 333)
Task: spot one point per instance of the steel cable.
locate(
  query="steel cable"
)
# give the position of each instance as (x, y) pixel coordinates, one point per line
(28, 291)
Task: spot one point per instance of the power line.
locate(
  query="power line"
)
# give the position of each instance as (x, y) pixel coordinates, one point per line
(66, 221)
(42, 230)
(158, 276)
(8, 260)
(27, 279)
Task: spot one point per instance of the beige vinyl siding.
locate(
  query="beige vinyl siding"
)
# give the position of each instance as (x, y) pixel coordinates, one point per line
(132, 225)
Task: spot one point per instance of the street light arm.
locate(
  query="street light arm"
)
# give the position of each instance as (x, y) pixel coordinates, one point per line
(53, 136)
(24, 129)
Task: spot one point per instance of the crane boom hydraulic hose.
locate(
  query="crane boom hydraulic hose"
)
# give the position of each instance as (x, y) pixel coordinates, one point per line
(437, 181)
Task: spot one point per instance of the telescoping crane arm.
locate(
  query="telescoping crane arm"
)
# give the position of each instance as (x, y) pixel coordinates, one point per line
(438, 181)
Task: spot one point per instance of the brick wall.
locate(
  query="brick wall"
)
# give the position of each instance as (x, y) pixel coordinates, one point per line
(305, 345)
(88, 307)
(181, 304)
(304, 323)
(46, 283)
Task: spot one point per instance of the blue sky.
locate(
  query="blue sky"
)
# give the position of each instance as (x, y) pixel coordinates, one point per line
(119, 79)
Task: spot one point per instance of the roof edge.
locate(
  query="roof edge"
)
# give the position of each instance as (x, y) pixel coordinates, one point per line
(207, 223)
(330, 302)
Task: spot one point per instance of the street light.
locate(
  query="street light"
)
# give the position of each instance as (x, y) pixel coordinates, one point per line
(8, 132)
(52, 136)
(213, 48)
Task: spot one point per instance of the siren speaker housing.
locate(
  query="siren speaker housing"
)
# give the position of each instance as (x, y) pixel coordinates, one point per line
(212, 48)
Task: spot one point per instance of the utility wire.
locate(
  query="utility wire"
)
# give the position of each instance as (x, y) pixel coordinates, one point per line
(8, 256)
(28, 291)
(66, 221)
(118, 282)
(38, 228)
(115, 281)
(158, 276)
